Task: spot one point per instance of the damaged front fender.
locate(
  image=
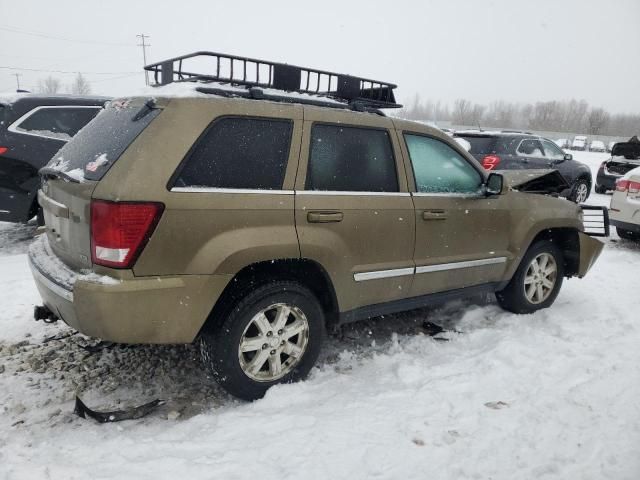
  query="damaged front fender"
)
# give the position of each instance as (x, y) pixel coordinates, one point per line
(590, 250)
(549, 182)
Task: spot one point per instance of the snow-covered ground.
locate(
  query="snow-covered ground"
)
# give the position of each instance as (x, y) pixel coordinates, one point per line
(551, 395)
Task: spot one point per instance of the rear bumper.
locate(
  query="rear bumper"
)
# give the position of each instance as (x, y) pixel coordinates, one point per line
(630, 227)
(605, 180)
(135, 310)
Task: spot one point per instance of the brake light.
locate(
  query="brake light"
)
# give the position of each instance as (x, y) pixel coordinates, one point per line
(622, 185)
(3, 150)
(634, 187)
(120, 230)
(489, 162)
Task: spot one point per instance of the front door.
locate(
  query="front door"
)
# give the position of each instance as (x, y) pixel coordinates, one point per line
(462, 236)
(354, 214)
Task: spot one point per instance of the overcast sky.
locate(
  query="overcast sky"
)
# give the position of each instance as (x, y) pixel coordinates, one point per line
(483, 50)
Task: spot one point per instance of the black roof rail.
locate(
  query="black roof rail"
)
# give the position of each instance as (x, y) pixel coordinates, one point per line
(357, 93)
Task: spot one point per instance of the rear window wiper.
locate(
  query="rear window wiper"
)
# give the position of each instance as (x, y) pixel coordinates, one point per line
(52, 172)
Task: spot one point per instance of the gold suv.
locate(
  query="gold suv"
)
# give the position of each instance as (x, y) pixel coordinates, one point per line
(272, 203)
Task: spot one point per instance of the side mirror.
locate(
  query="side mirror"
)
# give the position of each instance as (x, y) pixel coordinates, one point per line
(494, 184)
(568, 156)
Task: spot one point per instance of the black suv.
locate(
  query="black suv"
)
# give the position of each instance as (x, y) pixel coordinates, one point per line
(32, 129)
(524, 151)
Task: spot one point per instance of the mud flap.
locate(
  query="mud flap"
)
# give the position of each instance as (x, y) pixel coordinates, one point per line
(590, 250)
(117, 415)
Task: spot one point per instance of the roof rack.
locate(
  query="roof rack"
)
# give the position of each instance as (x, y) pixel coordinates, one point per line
(356, 92)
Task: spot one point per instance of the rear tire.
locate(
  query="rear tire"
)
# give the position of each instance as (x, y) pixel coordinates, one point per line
(627, 234)
(600, 189)
(537, 280)
(256, 346)
(580, 191)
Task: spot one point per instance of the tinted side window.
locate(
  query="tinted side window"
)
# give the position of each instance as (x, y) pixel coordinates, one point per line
(57, 122)
(351, 159)
(438, 168)
(530, 148)
(239, 153)
(551, 150)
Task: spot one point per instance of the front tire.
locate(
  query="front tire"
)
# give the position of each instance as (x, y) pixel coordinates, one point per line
(580, 191)
(272, 335)
(537, 280)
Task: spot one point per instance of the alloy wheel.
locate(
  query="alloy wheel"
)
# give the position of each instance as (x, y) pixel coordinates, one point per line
(540, 278)
(273, 342)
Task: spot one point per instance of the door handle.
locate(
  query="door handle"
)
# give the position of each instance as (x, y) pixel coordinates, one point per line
(434, 215)
(324, 217)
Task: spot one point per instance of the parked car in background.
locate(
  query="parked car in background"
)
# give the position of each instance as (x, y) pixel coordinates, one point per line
(563, 143)
(624, 211)
(597, 146)
(32, 129)
(579, 143)
(503, 150)
(303, 213)
(625, 156)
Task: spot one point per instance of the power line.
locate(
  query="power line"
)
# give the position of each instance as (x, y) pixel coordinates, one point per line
(65, 71)
(17, 75)
(144, 55)
(64, 39)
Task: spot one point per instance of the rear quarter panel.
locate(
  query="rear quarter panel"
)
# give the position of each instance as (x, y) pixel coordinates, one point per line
(204, 233)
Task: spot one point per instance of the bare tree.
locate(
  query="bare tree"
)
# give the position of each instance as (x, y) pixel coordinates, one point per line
(477, 113)
(49, 85)
(80, 86)
(461, 112)
(597, 120)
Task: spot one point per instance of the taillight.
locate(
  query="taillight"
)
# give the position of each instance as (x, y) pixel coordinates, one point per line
(489, 162)
(634, 187)
(622, 185)
(3, 150)
(120, 230)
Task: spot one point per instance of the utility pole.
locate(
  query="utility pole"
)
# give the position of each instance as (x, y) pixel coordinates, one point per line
(144, 46)
(17, 75)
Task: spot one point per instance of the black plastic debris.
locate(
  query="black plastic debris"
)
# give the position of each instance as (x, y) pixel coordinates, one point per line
(132, 413)
(433, 329)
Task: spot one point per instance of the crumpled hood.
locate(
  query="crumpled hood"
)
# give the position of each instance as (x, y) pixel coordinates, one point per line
(547, 181)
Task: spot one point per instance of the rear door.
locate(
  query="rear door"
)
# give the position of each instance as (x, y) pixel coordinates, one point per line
(354, 214)
(531, 154)
(462, 236)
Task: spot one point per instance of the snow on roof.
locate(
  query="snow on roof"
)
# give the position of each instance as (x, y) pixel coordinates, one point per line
(189, 90)
(7, 98)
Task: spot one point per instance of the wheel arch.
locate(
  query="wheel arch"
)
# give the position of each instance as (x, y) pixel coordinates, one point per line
(308, 273)
(567, 239)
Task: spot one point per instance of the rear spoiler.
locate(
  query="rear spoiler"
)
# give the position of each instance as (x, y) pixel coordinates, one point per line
(595, 220)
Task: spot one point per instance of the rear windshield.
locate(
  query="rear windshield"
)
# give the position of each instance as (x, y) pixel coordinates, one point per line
(3, 114)
(98, 146)
(480, 145)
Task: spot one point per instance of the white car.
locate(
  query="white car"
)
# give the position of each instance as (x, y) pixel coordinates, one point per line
(597, 146)
(579, 143)
(624, 211)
